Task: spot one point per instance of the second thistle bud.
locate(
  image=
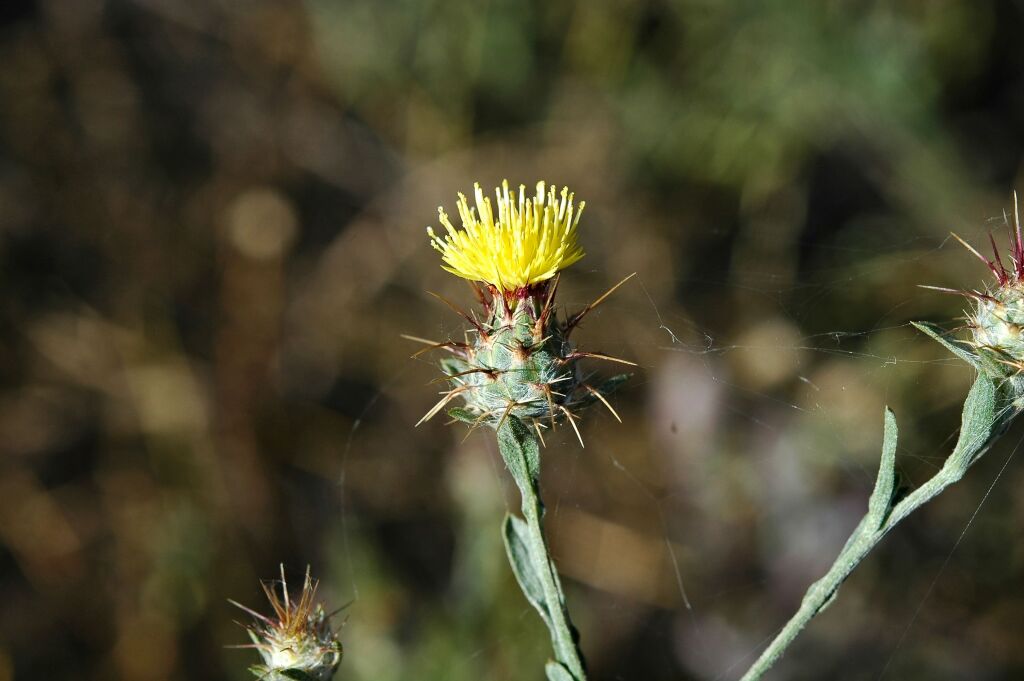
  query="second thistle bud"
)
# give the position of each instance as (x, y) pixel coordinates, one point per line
(297, 642)
(999, 321)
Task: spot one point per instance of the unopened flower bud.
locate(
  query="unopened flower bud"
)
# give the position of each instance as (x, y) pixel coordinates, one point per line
(297, 643)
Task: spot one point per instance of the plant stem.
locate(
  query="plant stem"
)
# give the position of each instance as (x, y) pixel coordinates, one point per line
(528, 552)
(562, 631)
(986, 416)
(815, 600)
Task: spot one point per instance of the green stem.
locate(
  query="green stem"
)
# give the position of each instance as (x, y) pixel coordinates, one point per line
(986, 416)
(815, 600)
(562, 631)
(528, 551)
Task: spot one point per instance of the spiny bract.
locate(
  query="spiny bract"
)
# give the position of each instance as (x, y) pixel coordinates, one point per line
(998, 325)
(521, 363)
(298, 643)
(996, 347)
(998, 318)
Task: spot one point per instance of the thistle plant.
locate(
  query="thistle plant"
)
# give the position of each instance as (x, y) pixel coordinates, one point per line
(298, 642)
(516, 369)
(996, 351)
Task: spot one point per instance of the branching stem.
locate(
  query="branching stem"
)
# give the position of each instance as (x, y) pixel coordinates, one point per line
(987, 414)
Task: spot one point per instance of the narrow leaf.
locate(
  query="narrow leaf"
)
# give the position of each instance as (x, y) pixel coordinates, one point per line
(453, 365)
(606, 388)
(882, 497)
(463, 415)
(517, 545)
(296, 674)
(557, 672)
(610, 385)
(829, 601)
(976, 426)
(519, 448)
(958, 348)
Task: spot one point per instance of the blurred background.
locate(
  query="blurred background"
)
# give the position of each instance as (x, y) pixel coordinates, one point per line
(212, 234)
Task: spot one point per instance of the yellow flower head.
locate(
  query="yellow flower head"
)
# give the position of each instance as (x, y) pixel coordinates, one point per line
(528, 241)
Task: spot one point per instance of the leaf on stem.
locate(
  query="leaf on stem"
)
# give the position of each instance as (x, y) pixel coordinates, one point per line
(610, 385)
(296, 674)
(453, 365)
(979, 418)
(883, 496)
(958, 348)
(557, 672)
(521, 452)
(463, 415)
(517, 545)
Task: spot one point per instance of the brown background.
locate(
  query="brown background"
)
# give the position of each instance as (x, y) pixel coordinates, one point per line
(212, 234)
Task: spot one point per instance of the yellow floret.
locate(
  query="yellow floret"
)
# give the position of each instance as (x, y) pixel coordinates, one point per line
(527, 242)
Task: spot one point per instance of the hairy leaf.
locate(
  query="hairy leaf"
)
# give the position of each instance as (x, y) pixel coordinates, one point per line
(958, 348)
(979, 418)
(519, 448)
(523, 564)
(296, 674)
(558, 672)
(463, 415)
(885, 485)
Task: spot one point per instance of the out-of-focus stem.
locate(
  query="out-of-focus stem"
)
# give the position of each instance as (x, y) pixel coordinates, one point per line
(985, 418)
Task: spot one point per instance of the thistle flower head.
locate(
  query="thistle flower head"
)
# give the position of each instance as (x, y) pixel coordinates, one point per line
(996, 347)
(517, 361)
(528, 240)
(298, 641)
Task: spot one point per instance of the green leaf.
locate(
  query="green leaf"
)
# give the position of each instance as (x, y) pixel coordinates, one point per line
(557, 672)
(979, 418)
(828, 601)
(296, 674)
(463, 415)
(958, 348)
(453, 365)
(523, 564)
(518, 446)
(606, 388)
(885, 485)
(611, 385)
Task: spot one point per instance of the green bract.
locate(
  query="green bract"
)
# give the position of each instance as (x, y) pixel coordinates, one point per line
(519, 362)
(309, 653)
(518, 366)
(998, 323)
(297, 642)
(999, 320)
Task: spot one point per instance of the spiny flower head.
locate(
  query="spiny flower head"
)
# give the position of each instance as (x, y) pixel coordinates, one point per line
(520, 363)
(996, 347)
(297, 643)
(998, 319)
(527, 242)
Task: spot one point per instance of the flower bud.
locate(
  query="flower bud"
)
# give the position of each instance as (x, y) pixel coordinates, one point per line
(998, 320)
(298, 642)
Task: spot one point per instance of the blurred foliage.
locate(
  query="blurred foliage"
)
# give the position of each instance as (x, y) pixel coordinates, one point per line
(212, 237)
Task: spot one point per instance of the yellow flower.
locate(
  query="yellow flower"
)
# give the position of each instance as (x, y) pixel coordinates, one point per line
(528, 241)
